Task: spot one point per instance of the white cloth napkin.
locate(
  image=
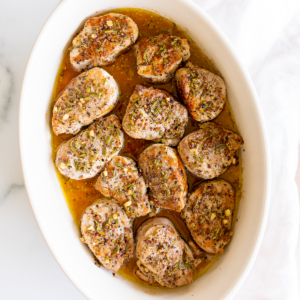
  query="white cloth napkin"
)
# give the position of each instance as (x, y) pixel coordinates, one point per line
(266, 35)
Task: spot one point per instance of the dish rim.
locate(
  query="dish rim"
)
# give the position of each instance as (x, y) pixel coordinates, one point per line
(236, 285)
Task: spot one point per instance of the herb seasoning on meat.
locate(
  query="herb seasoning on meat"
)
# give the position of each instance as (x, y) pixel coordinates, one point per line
(99, 36)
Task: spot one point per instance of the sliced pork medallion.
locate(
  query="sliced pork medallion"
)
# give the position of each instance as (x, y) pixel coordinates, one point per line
(203, 92)
(158, 57)
(165, 175)
(154, 114)
(102, 40)
(209, 151)
(198, 253)
(162, 254)
(208, 214)
(85, 155)
(121, 180)
(106, 229)
(88, 96)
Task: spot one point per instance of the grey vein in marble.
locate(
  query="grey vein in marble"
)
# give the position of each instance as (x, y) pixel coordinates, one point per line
(9, 190)
(6, 91)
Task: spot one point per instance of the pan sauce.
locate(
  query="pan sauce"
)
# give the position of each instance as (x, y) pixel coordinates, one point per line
(80, 194)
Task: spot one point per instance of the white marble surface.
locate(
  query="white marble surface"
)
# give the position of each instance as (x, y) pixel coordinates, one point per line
(27, 268)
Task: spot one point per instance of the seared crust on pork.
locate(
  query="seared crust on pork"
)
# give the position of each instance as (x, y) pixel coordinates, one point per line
(85, 155)
(154, 114)
(162, 254)
(121, 180)
(209, 151)
(158, 57)
(106, 230)
(88, 96)
(165, 175)
(203, 92)
(102, 40)
(208, 214)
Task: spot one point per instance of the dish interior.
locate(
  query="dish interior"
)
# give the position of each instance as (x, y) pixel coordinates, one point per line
(81, 193)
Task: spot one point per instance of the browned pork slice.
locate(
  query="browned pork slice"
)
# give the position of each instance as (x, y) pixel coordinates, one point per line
(198, 253)
(121, 180)
(102, 40)
(106, 229)
(208, 214)
(162, 254)
(158, 57)
(165, 175)
(209, 151)
(85, 155)
(203, 92)
(88, 96)
(154, 114)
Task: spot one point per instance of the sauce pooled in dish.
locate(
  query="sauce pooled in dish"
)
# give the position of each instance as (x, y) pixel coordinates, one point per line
(80, 194)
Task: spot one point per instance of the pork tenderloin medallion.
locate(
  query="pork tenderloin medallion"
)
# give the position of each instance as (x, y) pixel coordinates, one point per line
(85, 155)
(154, 114)
(208, 215)
(203, 92)
(158, 57)
(165, 175)
(88, 96)
(102, 40)
(209, 151)
(162, 254)
(106, 230)
(121, 180)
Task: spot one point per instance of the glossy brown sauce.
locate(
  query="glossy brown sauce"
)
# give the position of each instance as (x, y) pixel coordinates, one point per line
(81, 193)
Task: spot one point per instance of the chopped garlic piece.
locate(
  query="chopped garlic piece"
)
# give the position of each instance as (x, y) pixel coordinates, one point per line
(115, 216)
(225, 221)
(94, 35)
(128, 203)
(109, 23)
(82, 239)
(55, 109)
(193, 151)
(105, 173)
(65, 117)
(82, 100)
(92, 134)
(62, 165)
(227, 212)
(213, 216)
(91, 228)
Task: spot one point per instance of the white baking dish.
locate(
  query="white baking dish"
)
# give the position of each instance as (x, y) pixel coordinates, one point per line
(47, 200)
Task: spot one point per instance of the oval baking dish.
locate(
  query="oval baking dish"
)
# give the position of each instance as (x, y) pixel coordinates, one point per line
(47, 199)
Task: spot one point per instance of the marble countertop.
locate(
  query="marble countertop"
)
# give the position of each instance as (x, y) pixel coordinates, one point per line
(27, 268)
